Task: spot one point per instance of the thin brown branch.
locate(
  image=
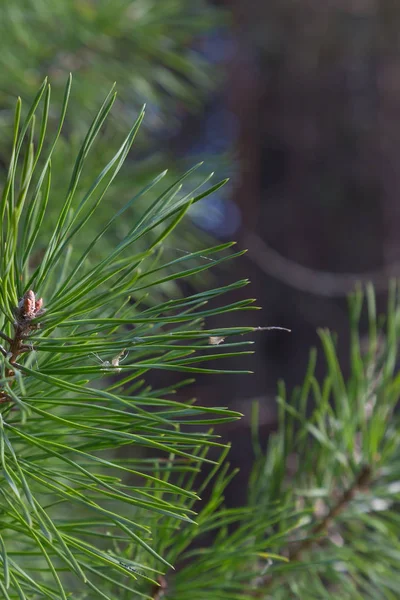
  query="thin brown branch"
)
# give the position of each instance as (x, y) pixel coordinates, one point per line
(360, 482)
(315, 538)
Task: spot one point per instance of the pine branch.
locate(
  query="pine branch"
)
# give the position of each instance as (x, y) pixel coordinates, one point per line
(362, 480)
(27, 310)
(66, 494)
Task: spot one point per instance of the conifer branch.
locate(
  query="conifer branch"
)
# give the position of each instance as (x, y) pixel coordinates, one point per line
(361, 481)
(28, 309)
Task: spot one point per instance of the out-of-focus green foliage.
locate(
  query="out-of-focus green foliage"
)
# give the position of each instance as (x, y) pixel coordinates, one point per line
(336, 462)
(148, 46)
(145, 45)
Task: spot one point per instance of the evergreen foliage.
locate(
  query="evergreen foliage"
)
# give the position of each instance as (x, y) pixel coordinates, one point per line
(335, 462)
(144, 44)
(86, 511)
(64, 500)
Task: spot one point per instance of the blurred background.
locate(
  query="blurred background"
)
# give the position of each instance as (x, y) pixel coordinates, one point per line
(296, 101)
(309, 105)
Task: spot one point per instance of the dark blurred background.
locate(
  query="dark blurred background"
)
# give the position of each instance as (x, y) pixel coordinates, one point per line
(309, 107)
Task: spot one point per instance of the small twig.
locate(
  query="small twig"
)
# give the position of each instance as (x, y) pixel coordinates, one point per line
(5, 337)
(272, 327)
